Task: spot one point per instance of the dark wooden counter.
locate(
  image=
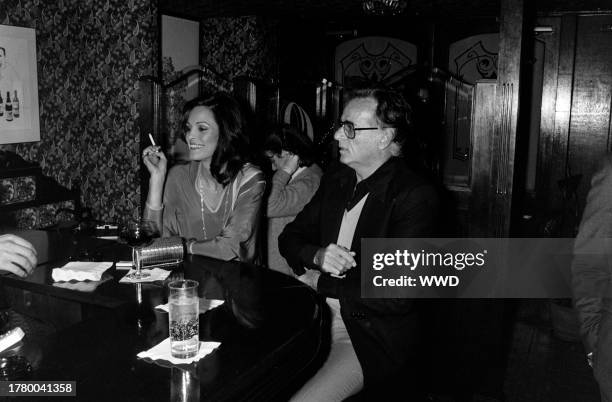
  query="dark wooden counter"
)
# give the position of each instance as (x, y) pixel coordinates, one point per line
(270, 328)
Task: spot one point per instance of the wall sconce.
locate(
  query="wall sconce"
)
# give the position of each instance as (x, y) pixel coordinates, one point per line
(543, 30)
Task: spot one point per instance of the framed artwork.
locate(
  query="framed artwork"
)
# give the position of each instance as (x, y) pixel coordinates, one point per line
(374, 59)
(474, 58)
(19, 120)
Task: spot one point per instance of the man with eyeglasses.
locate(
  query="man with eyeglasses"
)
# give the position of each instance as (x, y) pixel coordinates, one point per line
(373, 194)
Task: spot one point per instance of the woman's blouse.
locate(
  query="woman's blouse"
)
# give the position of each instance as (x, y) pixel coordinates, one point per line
(228, 230)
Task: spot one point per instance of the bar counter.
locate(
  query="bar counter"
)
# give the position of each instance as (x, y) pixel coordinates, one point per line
(270, 328)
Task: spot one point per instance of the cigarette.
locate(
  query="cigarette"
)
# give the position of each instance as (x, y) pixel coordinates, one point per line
(152, 140)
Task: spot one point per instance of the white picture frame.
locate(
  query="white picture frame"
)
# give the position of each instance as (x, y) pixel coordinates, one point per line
(18, 73)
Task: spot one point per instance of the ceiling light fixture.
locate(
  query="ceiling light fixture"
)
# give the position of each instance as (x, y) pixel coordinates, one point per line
(384, 7)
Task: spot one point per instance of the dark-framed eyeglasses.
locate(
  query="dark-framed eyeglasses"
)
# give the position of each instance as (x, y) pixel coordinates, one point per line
(350, 129)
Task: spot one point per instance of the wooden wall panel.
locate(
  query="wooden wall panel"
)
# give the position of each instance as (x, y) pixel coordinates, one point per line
(590, 112)
(506, 116)
(550, 143)
(483, 128)
(575, 113)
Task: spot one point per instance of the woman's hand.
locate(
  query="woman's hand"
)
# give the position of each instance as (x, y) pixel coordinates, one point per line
(155, 161)
(288, 162)
(157, 164)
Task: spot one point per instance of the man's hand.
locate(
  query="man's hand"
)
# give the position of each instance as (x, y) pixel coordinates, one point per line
(310, 278)
(16, 255)
(335, 260)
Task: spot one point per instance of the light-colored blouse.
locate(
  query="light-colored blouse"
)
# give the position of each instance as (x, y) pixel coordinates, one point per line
(227, 231)
(288, 196)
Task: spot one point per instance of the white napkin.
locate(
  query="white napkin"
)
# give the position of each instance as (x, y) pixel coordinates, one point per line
(162, 351)
(205, 305)
(155, 274)
(88, 286)
(80, 271)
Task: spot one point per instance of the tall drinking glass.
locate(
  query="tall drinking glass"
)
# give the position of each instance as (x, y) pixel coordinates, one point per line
(184, 311)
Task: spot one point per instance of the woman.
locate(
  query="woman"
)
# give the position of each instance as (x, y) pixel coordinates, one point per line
(214, 200)
(295, 181)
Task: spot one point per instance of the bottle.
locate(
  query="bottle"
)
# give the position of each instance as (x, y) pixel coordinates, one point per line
(8, 107)
(1, 107)
(15, 105)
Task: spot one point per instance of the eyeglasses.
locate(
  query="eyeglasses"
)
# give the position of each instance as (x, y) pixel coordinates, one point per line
(350, 129)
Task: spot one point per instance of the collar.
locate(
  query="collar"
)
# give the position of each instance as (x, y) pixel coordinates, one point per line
(297, 173)
(370, 183)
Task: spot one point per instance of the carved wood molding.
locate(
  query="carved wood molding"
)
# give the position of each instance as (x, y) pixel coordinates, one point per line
(503, 139)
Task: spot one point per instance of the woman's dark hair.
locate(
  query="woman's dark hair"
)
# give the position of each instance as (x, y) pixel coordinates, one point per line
(232, 150)
(392, 110)
(290, 139)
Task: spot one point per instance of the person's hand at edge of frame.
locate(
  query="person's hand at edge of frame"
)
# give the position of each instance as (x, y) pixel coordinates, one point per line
(17, 255)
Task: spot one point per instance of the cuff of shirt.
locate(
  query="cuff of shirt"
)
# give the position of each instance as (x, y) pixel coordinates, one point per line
(152, 214)
(281, 176)
(307, 255)
(148, 206)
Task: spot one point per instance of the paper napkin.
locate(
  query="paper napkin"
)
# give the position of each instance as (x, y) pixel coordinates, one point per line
(161, 351)
(155, 274)
(86, 286)
(80, 271)
(205, 305)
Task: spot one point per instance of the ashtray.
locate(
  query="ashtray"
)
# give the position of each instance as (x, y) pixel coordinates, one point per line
(14, 368)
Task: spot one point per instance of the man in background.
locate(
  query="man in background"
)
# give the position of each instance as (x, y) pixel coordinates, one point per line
(591, 276)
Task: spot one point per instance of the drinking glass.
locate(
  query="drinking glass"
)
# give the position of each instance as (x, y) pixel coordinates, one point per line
(183, 303)
(138, 234)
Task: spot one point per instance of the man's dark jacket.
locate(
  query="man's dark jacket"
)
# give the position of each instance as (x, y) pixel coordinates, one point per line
(400, 204)
(592, 276)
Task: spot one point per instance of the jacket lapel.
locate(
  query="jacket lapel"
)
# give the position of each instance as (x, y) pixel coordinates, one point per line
(373, 218)
(334, 210)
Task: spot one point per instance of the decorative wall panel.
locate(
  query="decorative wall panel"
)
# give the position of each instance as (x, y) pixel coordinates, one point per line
(240, 46)
(474, 58)
(90, 55)
(42, 216)
(374, 59)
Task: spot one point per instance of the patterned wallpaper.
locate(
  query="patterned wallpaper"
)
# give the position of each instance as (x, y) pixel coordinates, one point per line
(240, 46)
(90, 55)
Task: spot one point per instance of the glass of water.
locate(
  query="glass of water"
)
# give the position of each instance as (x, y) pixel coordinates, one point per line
(183, 303)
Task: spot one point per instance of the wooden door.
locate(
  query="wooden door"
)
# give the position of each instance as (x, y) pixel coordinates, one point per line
(575, 114)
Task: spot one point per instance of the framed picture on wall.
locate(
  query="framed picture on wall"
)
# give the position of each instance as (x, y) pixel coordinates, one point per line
(19, 120)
